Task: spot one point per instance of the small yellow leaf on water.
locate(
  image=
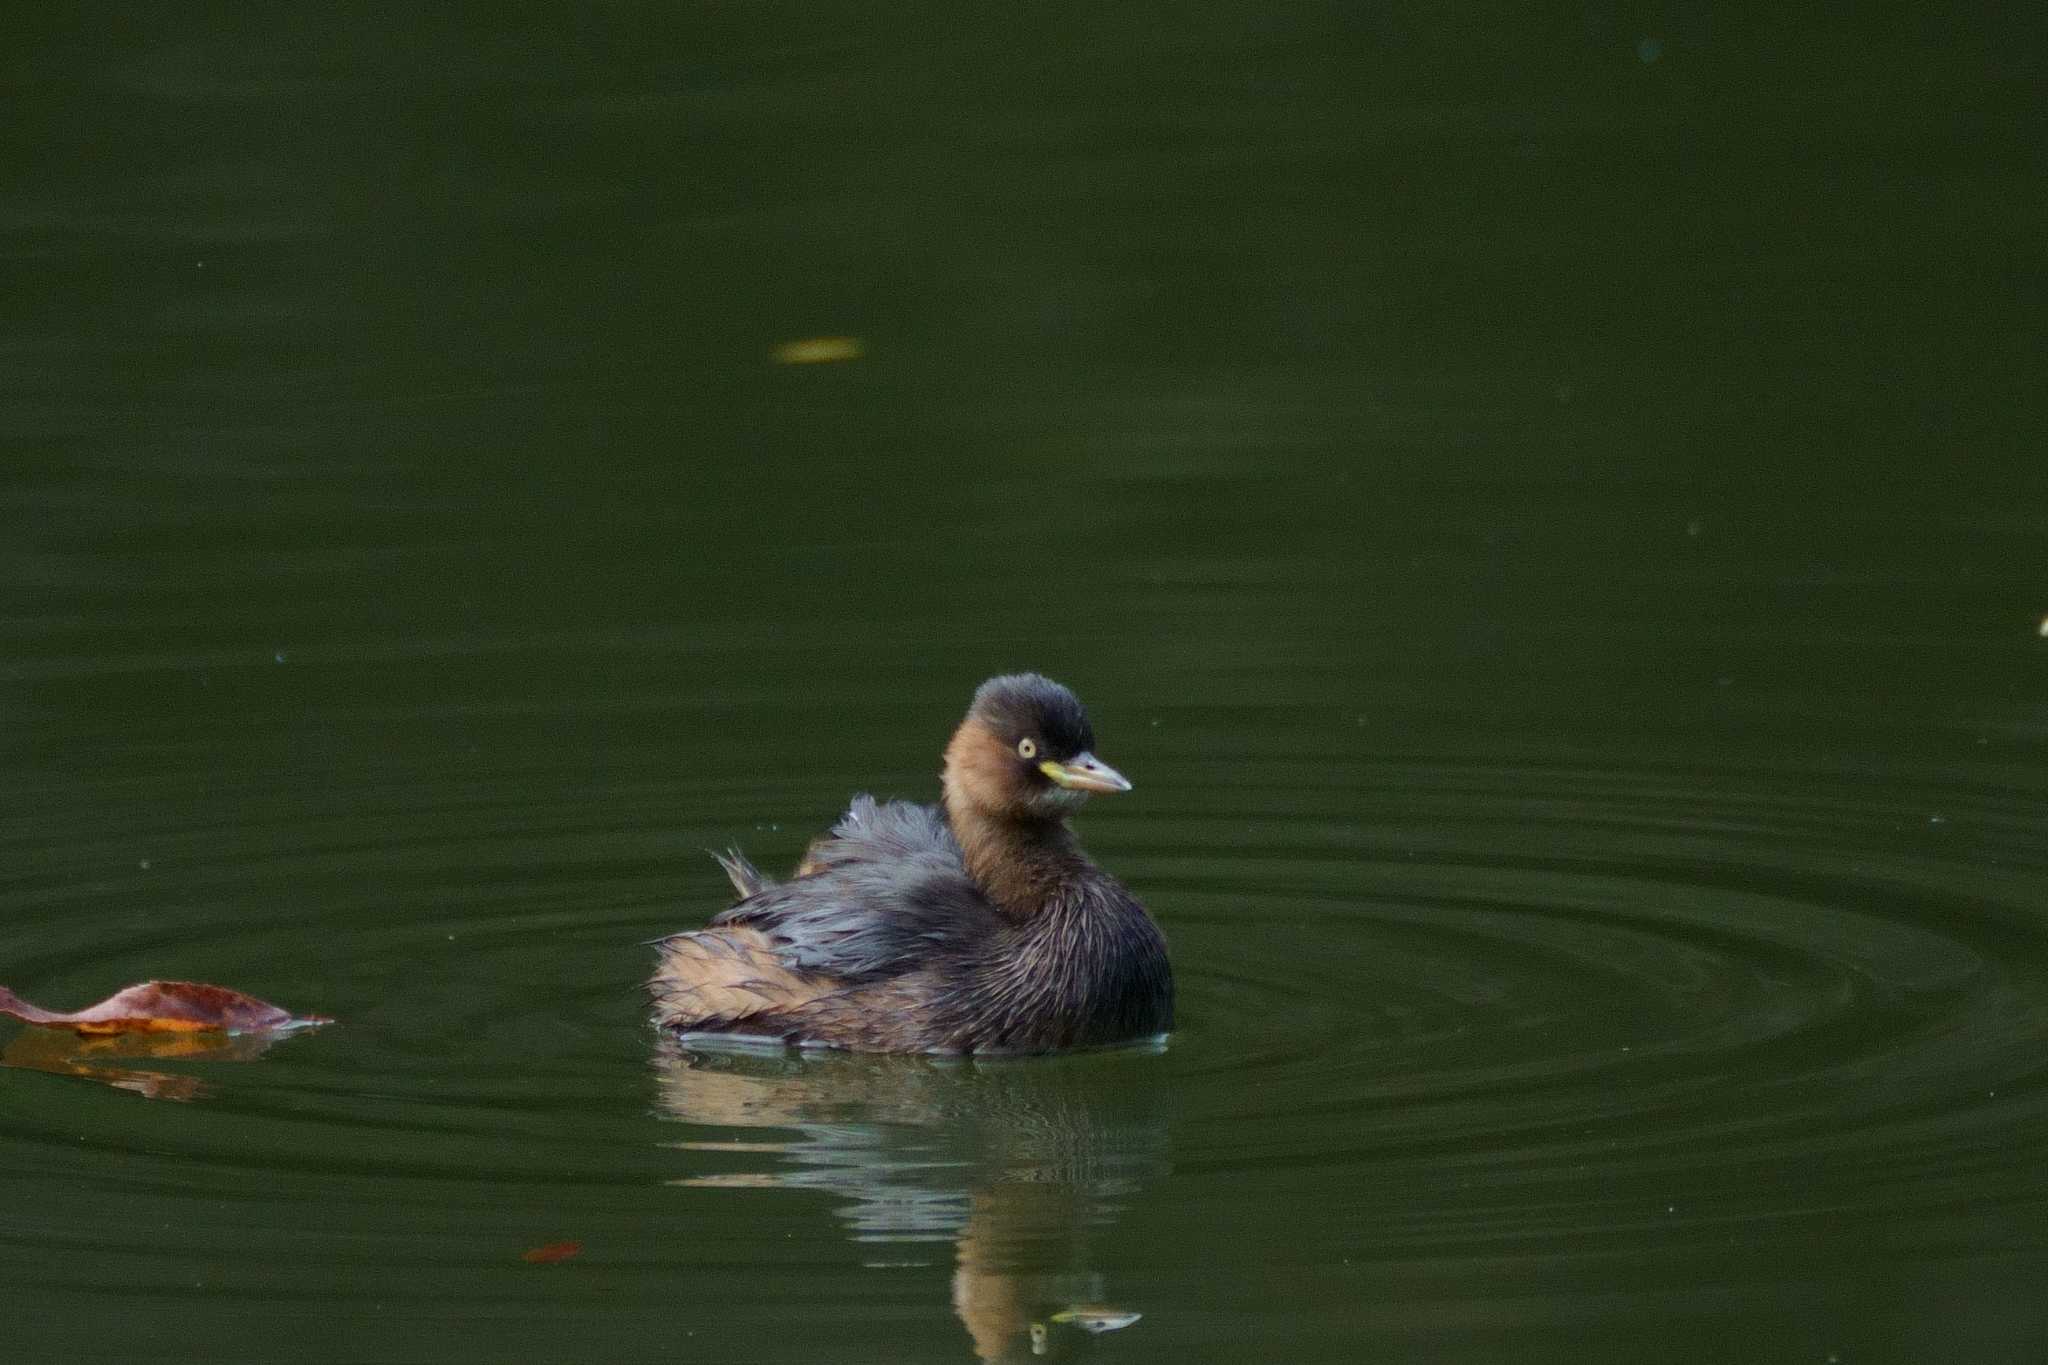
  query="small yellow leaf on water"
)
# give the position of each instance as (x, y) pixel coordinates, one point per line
(819, 350)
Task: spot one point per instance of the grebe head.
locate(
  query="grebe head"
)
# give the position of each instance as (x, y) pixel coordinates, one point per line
(1025, 752)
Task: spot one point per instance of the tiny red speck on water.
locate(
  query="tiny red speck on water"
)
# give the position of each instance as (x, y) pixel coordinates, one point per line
(552, 1252)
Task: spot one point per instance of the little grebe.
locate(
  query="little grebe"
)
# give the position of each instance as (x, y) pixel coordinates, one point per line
(977, 925)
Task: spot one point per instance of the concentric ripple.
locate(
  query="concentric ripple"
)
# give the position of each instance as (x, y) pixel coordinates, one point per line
(1439, 1018)
(1536, 1004)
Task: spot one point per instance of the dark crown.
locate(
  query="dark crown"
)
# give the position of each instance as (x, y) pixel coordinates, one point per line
(1020, 704)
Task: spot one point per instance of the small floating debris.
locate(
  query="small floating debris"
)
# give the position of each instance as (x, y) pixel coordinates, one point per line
(551, 1253)
(1095, 1318)
(165, 1007)
(2044, 627)
(819, 350)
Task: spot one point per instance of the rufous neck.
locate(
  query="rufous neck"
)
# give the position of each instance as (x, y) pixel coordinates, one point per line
(1023, 865)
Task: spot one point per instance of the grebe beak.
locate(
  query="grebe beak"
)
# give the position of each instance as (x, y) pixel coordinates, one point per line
(1084, 772)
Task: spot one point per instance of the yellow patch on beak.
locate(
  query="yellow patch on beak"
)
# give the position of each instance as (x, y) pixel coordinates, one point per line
(1085, 773)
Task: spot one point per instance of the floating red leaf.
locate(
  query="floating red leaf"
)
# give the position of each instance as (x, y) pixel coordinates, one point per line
(165, 1007)
(552, 1252)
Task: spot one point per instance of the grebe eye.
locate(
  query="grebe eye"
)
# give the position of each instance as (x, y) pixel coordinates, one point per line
(1027, 747)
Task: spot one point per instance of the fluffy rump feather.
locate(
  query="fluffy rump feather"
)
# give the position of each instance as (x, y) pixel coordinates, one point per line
(746, 879)
(717, 978)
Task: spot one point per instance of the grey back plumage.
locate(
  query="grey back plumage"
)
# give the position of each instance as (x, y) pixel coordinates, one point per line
(887, 893)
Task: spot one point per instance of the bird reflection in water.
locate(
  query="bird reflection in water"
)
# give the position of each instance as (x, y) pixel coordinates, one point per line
(1018, 1164)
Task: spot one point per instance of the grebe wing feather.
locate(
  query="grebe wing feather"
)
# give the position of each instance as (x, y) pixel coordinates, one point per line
(888, 892)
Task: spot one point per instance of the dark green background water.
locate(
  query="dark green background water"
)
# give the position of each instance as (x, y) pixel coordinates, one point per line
(1547, 505)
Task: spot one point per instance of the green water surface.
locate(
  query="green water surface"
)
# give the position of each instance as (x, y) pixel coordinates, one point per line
(1546, 505)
